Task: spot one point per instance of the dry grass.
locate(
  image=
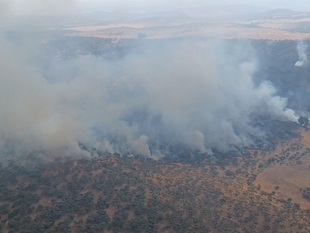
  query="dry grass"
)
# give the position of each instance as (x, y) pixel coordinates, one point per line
(268, 30)
(290, 177)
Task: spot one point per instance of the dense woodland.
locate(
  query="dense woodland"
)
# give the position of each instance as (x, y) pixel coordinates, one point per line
(114, 194)
(277, 64)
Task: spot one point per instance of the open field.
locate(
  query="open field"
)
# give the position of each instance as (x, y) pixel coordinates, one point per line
(271, 29)
(291, 175)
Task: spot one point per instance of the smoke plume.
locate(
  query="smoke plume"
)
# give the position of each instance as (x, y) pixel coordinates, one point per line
(199, 94)
(301, 49)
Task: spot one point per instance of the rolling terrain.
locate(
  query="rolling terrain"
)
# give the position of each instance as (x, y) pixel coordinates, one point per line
(260, 192)
(277, 24)
(262, 186)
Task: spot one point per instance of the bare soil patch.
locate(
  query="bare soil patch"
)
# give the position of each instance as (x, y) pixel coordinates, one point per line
(291, 176)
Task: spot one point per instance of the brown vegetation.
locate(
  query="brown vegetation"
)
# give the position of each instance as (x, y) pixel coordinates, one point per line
(254, 193)
(293, 174)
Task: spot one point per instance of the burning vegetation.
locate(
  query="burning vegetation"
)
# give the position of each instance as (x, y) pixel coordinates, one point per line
(151, 134)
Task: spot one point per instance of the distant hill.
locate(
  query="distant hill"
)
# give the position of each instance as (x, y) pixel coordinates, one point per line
(283, 13)
(224, 12)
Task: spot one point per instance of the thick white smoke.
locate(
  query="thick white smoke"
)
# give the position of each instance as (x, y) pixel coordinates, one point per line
(192, 92)
(301, 49)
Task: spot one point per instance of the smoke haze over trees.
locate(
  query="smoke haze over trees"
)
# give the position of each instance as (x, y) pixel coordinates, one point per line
(142, 97)
(197, 93)
(157, 116)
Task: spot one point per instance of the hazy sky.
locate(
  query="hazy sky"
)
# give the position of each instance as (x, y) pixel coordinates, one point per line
(270, 3)
(67, 6)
